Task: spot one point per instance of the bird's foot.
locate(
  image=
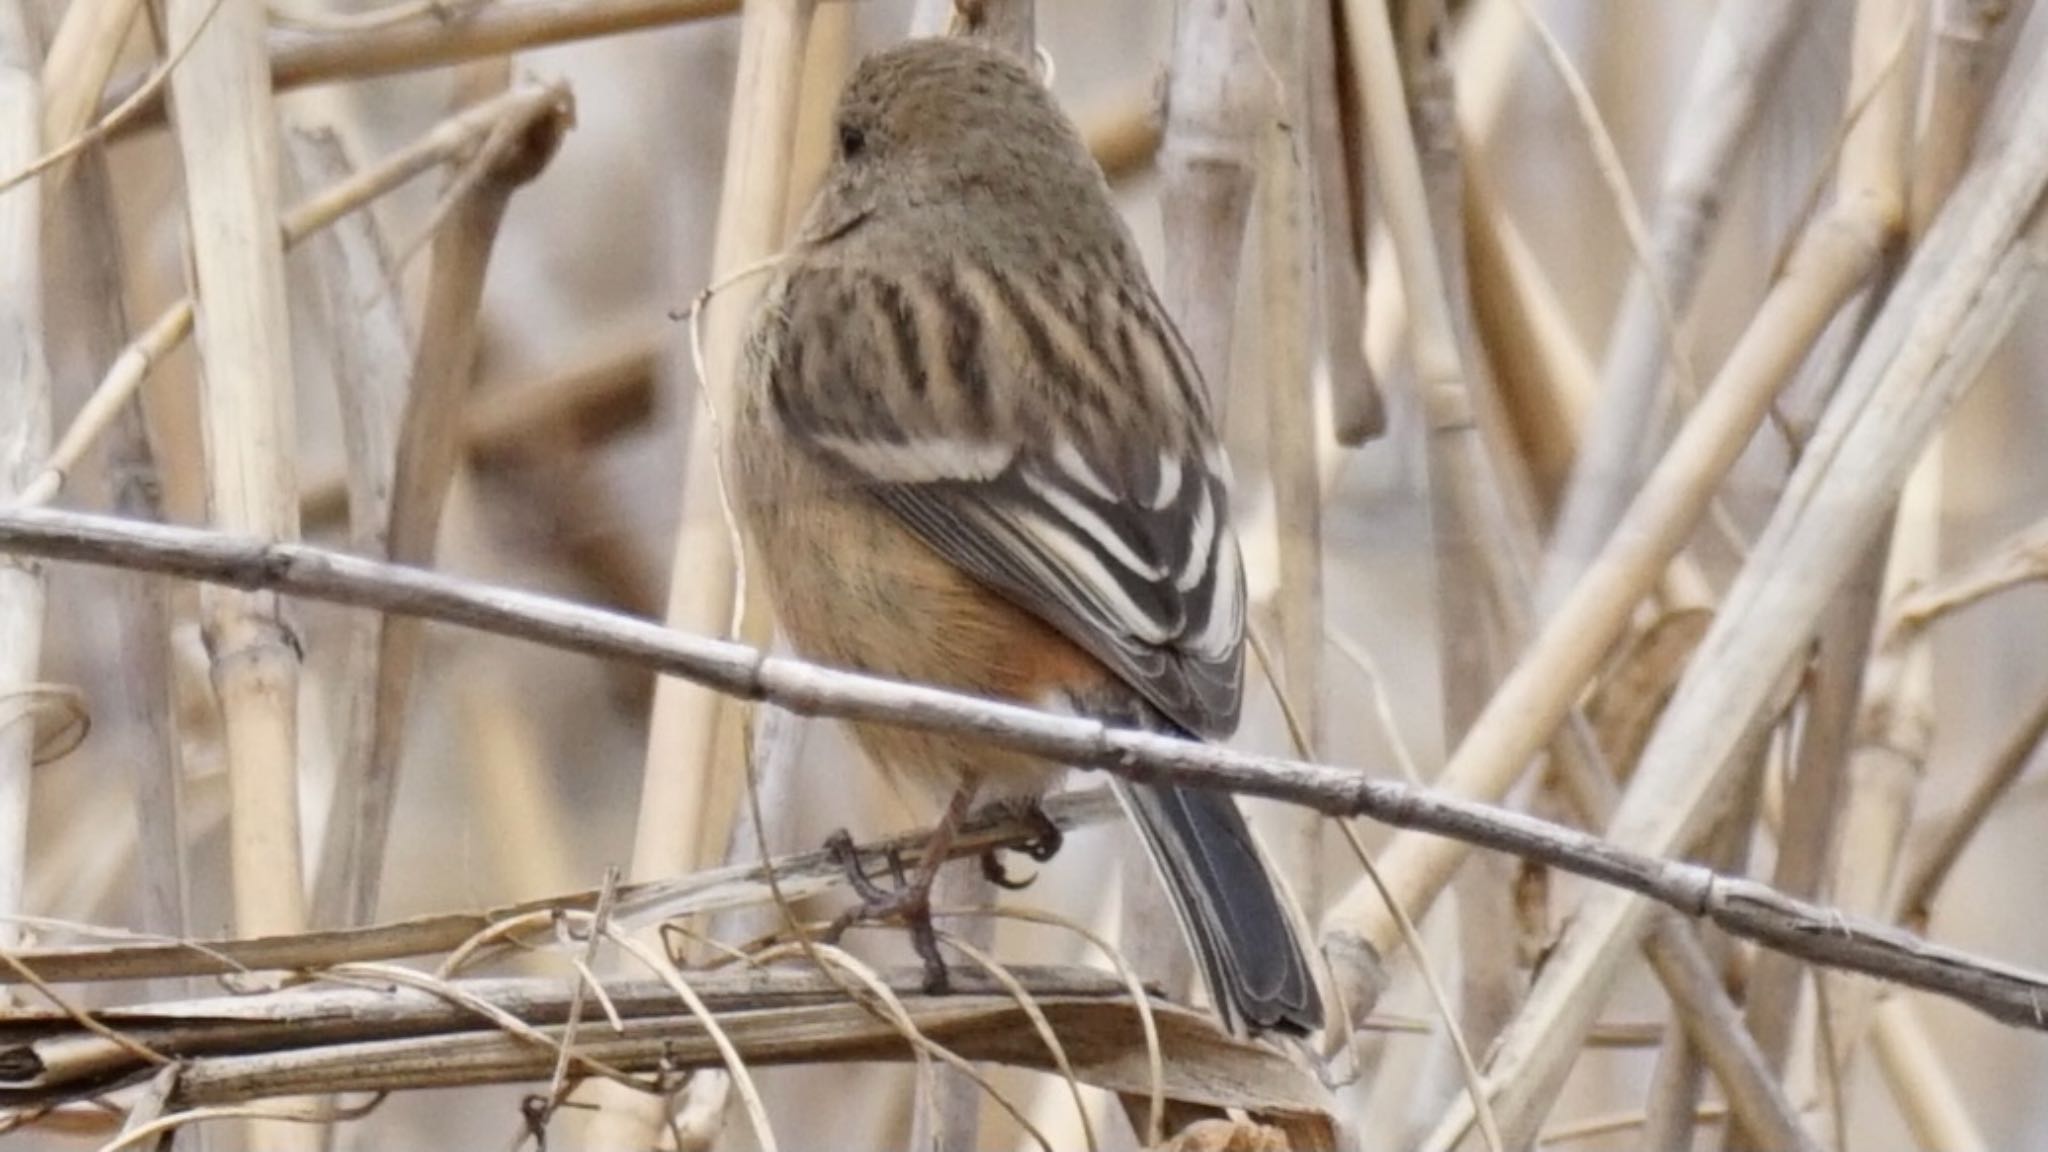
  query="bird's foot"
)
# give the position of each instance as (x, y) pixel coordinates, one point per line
(910, 904)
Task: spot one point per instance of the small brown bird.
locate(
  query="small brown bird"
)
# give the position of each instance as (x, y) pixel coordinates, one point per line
(972, 451)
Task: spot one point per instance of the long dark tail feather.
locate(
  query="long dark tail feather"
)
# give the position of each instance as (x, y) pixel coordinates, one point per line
(1227, 903)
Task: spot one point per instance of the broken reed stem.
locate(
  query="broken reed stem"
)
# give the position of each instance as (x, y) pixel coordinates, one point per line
(429, 449)
(24, 438)
(1743, 907)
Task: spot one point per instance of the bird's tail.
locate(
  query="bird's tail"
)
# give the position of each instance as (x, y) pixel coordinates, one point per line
(1229, 907)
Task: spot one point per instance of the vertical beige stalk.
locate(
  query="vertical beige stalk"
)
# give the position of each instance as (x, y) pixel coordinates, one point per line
(1286, 331)
(676, 824)
(227, 136)
(24, 440)
(687, 787)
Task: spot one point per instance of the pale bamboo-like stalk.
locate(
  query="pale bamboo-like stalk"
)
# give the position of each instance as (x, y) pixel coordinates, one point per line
(226, 128)
(1956, 300)
(1895, 727)
(1925, 1089)
(24, 438)
(1912, 902)
(1482, 63)
(1814, 797)
(1745, 52)
(227, 136)
(1679, 1078)
(81, 58)
(687, 792)
(1218, 96)
(1287, 268)
(363, 312)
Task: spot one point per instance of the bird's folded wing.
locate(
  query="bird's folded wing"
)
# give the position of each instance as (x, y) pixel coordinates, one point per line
(1052, 442)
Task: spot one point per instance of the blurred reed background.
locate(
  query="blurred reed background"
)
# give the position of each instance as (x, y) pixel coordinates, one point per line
(1458, 274)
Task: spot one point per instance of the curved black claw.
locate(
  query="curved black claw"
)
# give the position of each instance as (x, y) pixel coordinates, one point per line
(993, 870)
(1049, 839)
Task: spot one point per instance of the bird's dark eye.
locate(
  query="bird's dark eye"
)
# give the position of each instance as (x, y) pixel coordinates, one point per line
(853, 140)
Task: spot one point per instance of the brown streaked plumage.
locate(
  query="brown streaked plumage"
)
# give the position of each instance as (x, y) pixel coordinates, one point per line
(972, 451)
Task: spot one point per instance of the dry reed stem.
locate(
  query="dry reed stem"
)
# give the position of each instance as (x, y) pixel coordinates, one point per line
(2020, 558)
(1833, 258)
(24, 437)
(1876, 159)
(1543, 378)
(134, 706)
(1219, 98)
(715, 890)
(509, 784)
(1895, 727)
(1287, 267)
(1743, 907)
(686, 793)
(1912, 903)
(1954, 303)
(1933, 1106)
(1744, 53)
(428, 451)
(776, 1016)
(299, 58)
(451, 139)
(81, 58)
(1473, 499)
(1358, 411)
